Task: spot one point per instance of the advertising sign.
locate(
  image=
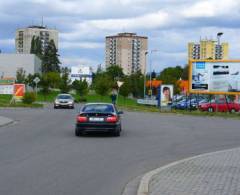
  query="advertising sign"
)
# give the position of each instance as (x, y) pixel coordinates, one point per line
(166, 96)
(6, 89)
(215, 77)
(19, 90)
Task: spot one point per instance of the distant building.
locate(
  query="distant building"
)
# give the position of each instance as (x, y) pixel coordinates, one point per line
(128, 51)
(24, 37)
(82, 73)
(10, 63)
(207, 49)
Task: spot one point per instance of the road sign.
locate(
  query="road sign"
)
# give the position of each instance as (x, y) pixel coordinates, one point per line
(36, 80)
(120, 83)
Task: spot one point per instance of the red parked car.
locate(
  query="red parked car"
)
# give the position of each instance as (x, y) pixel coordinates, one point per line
(221, 106)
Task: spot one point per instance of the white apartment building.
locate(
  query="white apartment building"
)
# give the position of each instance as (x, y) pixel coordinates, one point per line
(24, 37)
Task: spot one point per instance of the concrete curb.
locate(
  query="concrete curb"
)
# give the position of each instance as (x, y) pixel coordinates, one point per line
(6, 121)
(143, 188)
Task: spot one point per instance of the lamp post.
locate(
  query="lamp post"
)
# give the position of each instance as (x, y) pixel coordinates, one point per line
(219, 36)
(144, 89)
(152, 51)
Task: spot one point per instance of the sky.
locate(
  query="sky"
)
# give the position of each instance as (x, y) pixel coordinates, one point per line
(84, 24)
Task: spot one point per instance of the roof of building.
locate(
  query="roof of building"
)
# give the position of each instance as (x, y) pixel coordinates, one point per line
(127, 34)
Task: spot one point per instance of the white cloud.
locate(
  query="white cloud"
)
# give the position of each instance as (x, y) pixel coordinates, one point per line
(7, 42)
(76, 60)
(81, 45)
(211, 8)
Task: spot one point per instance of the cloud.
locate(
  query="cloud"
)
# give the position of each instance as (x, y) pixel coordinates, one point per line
(7, 42)
(83, 25)
(81, 45)
(211, 8)
(76, 60)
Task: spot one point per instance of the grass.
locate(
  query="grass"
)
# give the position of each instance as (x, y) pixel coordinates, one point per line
(5, 102)
(122, 103)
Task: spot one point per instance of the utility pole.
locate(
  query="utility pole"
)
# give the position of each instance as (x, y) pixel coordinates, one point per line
(145, 71)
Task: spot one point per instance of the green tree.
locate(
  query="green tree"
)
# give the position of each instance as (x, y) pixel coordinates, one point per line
(114, 72)
(50, 60)
(81, 87)
(171, 75)
(54, 79)
(30, 80)
(125, 89)
(103, 84)
(65, 83)
(36, 47)
(136, 84)
(45, 84)
(185, 73)
(20, 75)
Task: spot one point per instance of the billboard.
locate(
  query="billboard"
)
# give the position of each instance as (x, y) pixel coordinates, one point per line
(166, 95)
(19, 90)
(214, 76)
(81, 73)
(6, 89)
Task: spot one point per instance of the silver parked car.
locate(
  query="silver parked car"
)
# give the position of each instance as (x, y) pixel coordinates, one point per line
(64, 101)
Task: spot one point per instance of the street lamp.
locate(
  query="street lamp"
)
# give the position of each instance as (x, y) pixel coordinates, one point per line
(144, 90)
(219, 36)
(152, 51)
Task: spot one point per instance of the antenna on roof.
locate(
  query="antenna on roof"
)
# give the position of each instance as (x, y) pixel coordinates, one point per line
(42, 21)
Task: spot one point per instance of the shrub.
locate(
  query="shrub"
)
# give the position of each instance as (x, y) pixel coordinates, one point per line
(29, 98)
(80, 99)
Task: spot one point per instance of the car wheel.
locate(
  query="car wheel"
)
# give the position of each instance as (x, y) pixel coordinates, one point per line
(233, 110)
(210, 109)
(117, 132)
(77, 133)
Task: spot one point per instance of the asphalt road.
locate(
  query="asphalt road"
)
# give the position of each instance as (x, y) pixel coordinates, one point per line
(39, 154)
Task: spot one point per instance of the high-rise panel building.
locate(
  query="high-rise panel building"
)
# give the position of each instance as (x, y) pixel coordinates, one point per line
(207, 49)
(24, 37)
(128, 51)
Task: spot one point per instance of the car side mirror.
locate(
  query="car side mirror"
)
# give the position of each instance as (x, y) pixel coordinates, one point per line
(120, 112)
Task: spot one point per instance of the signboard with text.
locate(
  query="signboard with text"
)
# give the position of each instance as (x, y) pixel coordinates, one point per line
(215, 76)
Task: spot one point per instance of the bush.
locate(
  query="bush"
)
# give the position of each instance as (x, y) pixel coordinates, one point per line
(80, 99)
(29, 98)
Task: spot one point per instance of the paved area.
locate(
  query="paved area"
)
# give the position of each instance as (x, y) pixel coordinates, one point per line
(41, 155)
(5, 121)
(211, 174)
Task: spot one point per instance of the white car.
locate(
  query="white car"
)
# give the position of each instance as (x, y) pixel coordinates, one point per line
(64, 101)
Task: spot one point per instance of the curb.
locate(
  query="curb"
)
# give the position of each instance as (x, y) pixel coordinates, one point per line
(143, 188)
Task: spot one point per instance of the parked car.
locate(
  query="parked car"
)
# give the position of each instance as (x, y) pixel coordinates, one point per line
(221, 106)
(99, 117)
(64, 101)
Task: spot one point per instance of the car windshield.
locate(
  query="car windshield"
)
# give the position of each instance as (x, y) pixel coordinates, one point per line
(99, 108)
(65, 97)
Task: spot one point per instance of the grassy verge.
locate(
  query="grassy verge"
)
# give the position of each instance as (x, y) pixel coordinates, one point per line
(5, 102)
(122, 103)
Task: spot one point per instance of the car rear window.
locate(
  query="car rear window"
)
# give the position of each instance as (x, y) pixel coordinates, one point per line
(64, 97)
(99, 108)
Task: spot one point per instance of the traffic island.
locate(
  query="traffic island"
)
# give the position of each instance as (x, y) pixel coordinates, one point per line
(210, 174)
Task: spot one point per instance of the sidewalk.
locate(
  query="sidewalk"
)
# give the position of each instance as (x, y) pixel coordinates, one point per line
(215, 173)
(5, 121)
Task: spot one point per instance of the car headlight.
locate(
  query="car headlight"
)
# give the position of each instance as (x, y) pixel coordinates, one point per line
(56, 101)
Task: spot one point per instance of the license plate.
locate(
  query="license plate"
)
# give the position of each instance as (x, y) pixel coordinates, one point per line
(94, 119)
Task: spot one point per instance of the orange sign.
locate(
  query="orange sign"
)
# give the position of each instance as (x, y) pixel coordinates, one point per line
(19, 90)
